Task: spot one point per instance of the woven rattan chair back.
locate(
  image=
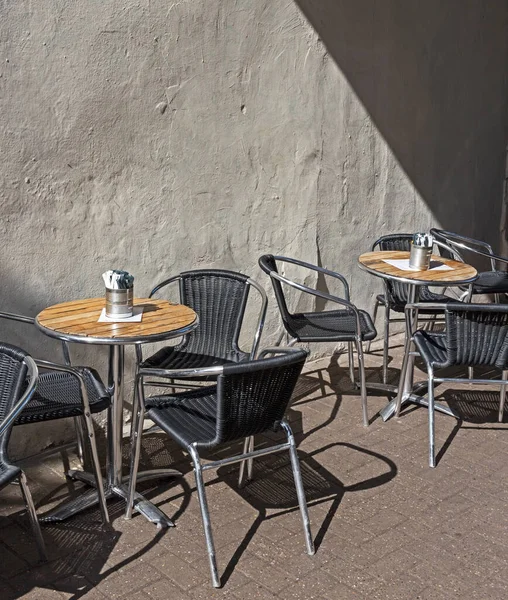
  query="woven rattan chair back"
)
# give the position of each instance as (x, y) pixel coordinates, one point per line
(253, 397)
(477, 334)
(13, 372)
(398, 292)
(268, 264)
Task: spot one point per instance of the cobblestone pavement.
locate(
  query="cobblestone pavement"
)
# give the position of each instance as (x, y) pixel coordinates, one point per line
(385, 525)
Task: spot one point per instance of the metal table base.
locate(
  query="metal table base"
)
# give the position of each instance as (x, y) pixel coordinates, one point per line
(90, 498)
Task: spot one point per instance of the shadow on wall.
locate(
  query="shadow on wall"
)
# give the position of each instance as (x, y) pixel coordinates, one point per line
(434, 78)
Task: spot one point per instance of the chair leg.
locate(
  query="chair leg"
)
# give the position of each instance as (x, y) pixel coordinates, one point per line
(470, 373)
(96, 467)
(138, 411)
(430, 395)
(502, 397)
(207, 525)
(34, 521)
(363, 385)
(248, 446)
(297, 476)
(386, 342)
(351, 362)
(80, 439)
(374, 317)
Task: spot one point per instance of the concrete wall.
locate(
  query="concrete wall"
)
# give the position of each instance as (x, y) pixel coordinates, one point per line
(157, 136)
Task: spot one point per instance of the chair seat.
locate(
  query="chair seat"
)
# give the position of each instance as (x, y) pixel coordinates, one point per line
(490, 282)
(172, 357)
(8, 473)
(330, 326)
(58, 395)
(432, 348)
(187, 417)
(424, 295)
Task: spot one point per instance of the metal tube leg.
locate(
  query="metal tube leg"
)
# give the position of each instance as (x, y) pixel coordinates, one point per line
(351, 363)
(363, 386)
(432, 459)
(207, 526)
(34, 521)
(246, 446)
(297, 476)
(250, 461)
(115, 415)
(374, 317)
(96, 467)
(502, 397)
(80, 438)
(386, 342)
(138, 411)
(470, 373)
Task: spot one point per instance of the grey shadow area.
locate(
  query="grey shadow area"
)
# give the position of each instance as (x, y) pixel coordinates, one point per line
(433, 78)
(272, 491)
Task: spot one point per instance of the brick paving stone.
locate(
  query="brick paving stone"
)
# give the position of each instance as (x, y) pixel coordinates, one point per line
(386, 526)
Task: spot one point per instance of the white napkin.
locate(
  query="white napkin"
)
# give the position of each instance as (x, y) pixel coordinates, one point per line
(403, 265)
(137, 314)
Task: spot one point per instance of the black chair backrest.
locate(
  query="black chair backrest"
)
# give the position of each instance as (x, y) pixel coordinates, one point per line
(398, 292)
(268, 264)
(13, 373)
(477, 334)
(219, 298)
(253, 396)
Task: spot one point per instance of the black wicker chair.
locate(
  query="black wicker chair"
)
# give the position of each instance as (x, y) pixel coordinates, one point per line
(249, 398)
(488, 282)
(396, 294)
(219, 298)
(475, 335)
(64, 391)
(348, 324)
(18, 380)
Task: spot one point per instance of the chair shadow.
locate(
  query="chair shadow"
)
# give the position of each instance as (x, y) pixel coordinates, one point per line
(273, 488)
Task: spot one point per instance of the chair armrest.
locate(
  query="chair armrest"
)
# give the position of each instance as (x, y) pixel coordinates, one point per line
(180, 373)
(261, 317)
(13, 414)
(164, 284)
(312, 267)
(324, 295)
(14, 317)
(278, 350)
(52, 366)
(425, 305)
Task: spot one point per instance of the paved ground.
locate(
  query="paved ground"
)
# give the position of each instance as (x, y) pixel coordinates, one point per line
(385, 525)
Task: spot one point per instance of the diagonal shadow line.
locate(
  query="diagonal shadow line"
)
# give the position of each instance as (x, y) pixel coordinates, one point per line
(448, 441)
(234, 560)
(120, 565)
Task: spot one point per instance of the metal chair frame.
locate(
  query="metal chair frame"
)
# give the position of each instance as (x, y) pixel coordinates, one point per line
(87, 415)
(248, 454)
(411, 313)
(6, 424)
(461, 242)
(259, 326)
(344, 302)
(387, 318)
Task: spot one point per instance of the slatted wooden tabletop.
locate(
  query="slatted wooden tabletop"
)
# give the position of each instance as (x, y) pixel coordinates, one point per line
(78, 320)
(459, 273)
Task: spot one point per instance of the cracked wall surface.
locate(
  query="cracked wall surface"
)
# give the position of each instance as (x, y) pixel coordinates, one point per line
(159, 136)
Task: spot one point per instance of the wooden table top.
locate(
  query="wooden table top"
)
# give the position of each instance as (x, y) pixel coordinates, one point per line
(373, 262)
(78, 321)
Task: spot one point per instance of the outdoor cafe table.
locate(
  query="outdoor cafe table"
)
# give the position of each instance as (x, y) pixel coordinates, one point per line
(457, 273)
(77, 321)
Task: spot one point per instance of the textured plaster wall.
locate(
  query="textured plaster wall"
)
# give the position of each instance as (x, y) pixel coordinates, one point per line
(159, 136)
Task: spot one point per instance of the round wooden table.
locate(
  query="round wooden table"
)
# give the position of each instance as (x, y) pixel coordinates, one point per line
(77, 321)
(457, 273)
